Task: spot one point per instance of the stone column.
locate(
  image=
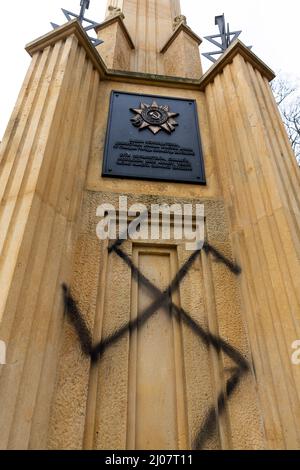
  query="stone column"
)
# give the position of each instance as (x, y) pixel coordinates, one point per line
(150, 24)
(42, 172)
(260, 182)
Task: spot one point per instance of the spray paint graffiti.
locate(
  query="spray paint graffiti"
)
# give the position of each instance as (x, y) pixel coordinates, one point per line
(164, 299)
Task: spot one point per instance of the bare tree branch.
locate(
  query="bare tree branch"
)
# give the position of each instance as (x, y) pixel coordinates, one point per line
(288, 99)
(282, 90)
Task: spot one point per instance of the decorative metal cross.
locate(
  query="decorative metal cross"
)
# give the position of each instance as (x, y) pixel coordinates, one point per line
(225, 35)
(84, 5)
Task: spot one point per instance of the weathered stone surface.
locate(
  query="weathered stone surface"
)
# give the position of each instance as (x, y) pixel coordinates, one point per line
(50, 188)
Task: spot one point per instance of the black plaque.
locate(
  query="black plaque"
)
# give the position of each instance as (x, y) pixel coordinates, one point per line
(153, 138)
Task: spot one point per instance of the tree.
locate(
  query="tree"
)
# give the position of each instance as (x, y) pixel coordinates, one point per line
(288, 99)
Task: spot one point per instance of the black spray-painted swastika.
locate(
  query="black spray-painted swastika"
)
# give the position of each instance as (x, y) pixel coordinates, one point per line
(164, 299)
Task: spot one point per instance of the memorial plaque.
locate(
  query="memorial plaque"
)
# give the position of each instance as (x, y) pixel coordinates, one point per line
(153, 138)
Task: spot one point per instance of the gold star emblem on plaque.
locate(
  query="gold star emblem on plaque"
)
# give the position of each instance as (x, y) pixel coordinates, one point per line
(154, 117)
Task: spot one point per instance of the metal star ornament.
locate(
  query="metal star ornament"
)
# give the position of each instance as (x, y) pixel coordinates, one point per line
(154, 117)
(84, 5)
(226, 37)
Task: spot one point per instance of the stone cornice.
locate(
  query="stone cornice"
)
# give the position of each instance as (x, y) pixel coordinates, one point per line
(237, 47)
(117, 19)
(182, 27)
(74, 27)
(62, 33)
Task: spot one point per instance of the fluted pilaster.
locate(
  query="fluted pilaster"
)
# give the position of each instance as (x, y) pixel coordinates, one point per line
(260, 182)
(43, 163)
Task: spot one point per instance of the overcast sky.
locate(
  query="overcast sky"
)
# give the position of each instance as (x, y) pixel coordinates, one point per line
(272, 27)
